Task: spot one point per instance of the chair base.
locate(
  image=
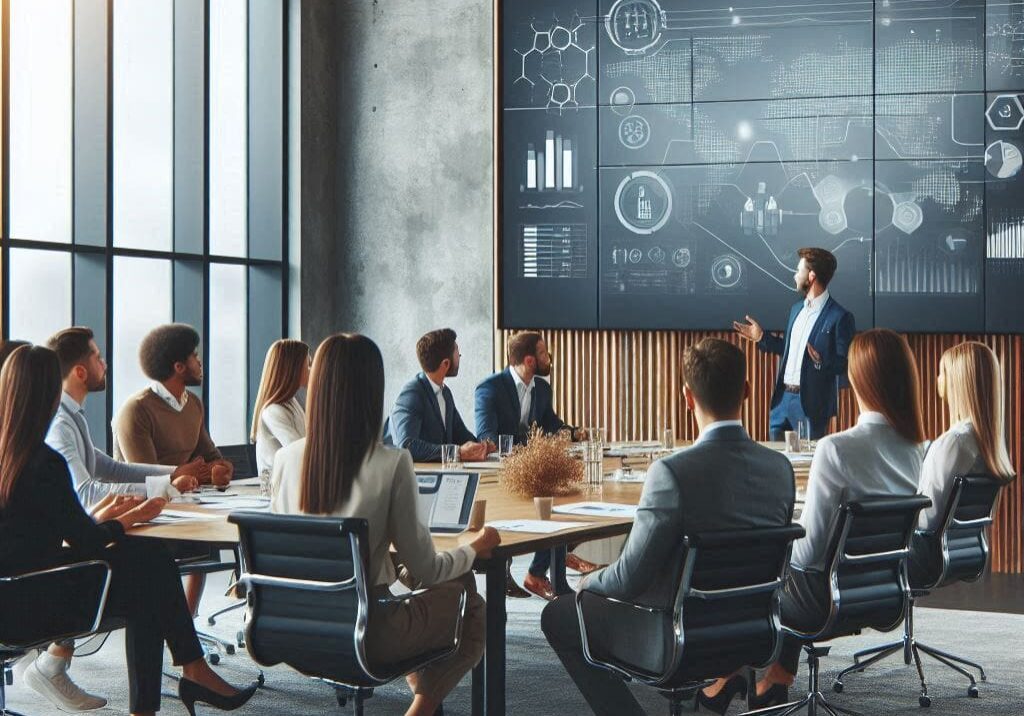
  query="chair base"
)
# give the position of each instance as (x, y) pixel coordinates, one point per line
(677, 697)
(912, 650)
(814, 703)
(356, 695)
(6, 679)
(212, 619)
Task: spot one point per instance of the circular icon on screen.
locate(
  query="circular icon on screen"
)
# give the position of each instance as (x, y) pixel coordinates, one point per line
(634, 132)
(643, 202)
(681, 257)
(726, 271)
(635, 25)
(1003, 159)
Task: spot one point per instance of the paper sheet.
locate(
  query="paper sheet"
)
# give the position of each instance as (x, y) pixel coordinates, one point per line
(543, 527)
(177, 517)
(448, 503)
(596, 509)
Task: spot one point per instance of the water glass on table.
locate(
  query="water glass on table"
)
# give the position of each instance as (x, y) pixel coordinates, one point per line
(450, 457)
(668, 439)
(593, 466)
(265, 483)
(803, 427)
(505, 443)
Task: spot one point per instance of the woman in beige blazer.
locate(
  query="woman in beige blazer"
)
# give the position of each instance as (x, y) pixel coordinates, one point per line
(341, 469)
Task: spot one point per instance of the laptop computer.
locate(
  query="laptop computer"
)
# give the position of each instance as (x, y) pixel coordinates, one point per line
(445, 500)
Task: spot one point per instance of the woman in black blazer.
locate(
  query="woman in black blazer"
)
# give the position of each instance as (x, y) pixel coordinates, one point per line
(40, 512)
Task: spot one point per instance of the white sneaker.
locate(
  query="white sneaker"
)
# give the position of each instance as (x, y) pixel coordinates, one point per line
(61, 691)
(19, 666)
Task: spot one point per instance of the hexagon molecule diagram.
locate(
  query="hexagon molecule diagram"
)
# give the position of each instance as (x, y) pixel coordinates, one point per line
(557, 62)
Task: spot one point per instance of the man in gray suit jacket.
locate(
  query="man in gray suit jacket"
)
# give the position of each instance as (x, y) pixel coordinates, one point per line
(725, 481)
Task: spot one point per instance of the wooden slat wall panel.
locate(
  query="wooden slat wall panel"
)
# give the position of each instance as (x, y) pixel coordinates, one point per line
(628, 382)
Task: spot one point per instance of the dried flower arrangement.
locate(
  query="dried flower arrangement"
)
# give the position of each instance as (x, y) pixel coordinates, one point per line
(542, 468)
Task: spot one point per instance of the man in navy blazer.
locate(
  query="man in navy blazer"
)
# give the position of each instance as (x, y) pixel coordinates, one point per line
(425, 417)
(813, 350)
(509, 403)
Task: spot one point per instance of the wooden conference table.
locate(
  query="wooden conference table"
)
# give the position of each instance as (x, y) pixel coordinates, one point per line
(489, 675)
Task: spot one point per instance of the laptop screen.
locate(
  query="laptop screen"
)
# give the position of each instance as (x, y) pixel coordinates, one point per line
(446, 500)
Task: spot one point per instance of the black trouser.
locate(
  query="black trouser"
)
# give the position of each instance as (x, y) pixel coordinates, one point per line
(605, 692)
(146, 592)
(541, 563)
(804, 605)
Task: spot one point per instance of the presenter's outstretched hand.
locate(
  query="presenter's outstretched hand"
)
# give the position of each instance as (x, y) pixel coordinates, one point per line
(751, 330)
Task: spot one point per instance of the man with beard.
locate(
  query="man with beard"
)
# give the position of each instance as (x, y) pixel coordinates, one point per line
(813, 350)
(510, 403)
(425, 417)
(95, 474)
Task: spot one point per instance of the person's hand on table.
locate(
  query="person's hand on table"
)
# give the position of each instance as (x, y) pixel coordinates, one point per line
(751, 330)
(194, 468)
(485, 541)
(143, 512)
(113, 506)
(221, 473)
(185, 483)
(472, 451)
(490, 447)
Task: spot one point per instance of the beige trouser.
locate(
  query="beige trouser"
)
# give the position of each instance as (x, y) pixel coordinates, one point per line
(424, 622)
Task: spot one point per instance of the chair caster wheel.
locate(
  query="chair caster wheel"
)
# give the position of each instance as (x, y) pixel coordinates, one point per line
(924, 701)
(230, 649)
(838, 687)
(214, 659)
(240, 639)
(261, 679)
(983, 677)
(972, 691)
(210, 621)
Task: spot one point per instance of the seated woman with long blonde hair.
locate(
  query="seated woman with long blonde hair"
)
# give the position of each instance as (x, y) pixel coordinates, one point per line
(342, 469)
(971, 384)
(278, 418)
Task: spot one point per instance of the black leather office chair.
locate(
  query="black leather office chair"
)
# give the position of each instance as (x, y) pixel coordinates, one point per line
(48, 605)
(725, 615)
(866, 581)
(309, 603)
(957, 552)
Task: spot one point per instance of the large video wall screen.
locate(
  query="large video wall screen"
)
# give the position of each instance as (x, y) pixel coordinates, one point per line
(662, 161)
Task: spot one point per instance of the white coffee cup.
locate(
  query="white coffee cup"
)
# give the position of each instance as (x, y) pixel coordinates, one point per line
(158, 486)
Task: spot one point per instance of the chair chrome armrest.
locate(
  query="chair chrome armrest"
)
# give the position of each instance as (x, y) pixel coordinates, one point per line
(713, 594)
(308, 585)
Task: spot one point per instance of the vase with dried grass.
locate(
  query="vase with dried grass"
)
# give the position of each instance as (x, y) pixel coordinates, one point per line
(542, 468)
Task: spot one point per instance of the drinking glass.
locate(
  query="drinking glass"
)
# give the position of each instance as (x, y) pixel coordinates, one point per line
(505, 443)
(668, 439)
(265, 483)
(593, 466)
(450, 457)
(804, 433)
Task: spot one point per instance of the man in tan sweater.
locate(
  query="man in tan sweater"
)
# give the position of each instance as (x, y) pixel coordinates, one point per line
(165, 424)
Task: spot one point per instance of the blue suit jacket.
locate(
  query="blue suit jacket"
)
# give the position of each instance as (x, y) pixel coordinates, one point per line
(498, 408)
(415, 423)
(830, 336)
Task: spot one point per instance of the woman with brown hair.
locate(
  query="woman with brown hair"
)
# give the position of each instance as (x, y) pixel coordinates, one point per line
(342, 469)
(40, 512)
(880, 455)
(278, 418)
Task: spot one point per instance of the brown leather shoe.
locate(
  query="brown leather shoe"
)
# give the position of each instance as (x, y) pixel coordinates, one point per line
(512, 589)
(541, 586)
(578, 564)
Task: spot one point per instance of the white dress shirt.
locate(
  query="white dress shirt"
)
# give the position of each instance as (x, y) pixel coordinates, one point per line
(95, 473)
(798, 337)
(280, 424)
(525, 397)
(715, 426)
(439, 394)
(384, 493)
(870, 458)
(953, 453)
(158, 388)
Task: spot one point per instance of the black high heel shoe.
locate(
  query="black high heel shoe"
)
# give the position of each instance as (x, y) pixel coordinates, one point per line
(189, 692)
(719, 703)
(777, 695)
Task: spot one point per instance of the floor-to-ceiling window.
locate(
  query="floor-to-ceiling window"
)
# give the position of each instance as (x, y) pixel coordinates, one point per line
(143, 182)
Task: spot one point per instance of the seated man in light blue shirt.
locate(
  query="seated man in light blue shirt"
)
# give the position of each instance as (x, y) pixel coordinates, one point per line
(95, 473)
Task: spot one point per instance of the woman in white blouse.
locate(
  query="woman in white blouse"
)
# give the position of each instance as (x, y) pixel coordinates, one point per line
(341, 469)
(972, 385)
(278, 418)
(881, 454)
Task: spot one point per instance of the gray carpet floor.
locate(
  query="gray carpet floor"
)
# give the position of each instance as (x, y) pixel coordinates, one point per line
(538, 686)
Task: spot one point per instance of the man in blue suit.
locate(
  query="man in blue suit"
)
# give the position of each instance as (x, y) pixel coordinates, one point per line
(813, 350)
(425, 417)
(510, 403)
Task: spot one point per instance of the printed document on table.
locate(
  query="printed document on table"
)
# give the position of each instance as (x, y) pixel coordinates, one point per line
(450, 496)
(596, 509)
(543, 527)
